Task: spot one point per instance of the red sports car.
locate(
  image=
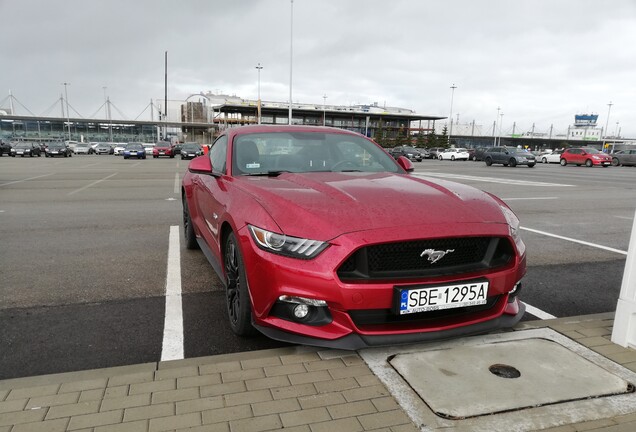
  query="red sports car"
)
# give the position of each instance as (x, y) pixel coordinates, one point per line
(585, 155)
(321, 238)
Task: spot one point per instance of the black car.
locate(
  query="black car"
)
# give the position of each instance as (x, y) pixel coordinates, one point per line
(477, 153)
(26, 149)
(5, 148)
(58, 149)
(191, 150)
(176, 149)
(406, 151)
(509, 157)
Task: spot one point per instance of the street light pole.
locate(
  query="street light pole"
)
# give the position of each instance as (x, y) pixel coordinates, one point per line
(500, 124)
(291, 56)
(494, 127)
(609, 109)
(450, 130)
(68, 117)
(324, 109)
(259, 67)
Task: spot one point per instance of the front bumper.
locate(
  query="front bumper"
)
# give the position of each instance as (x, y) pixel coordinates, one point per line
(349, 303)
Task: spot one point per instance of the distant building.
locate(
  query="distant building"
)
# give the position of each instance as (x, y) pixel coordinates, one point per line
(584, 128)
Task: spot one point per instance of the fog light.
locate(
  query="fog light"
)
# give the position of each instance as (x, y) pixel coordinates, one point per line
(301, 311)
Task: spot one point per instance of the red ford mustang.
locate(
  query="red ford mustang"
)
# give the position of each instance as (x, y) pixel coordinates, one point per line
(321, 238)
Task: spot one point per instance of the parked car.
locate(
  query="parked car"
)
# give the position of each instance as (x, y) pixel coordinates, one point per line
(83, 148)
(5, 148)
(407, 151)
(585, 155)
(104, 148)
(624, 157)
(552, 157)
(453, 154)
(190, 151)
(134, 150)
(26, 148)
(58, 149)
(176, 149)
(350, 271)
(162, 148)
(477, 153)
(435, 151)
(426, 154)
(509, 156)
(118, 148)
(148, 147)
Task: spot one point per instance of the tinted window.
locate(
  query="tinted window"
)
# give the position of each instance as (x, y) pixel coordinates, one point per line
(218, 155)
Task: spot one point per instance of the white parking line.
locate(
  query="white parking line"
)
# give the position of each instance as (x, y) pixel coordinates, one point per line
(26, 179)
(172, 346)
(530, 198)
(90, 184)
(618, 251)
(538, 312)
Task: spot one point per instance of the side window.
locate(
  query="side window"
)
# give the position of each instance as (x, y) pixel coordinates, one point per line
(218, 155)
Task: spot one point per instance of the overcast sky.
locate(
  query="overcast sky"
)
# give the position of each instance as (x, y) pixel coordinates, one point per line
(541, 61)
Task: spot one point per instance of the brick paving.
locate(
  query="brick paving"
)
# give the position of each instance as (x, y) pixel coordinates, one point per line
(295, 389)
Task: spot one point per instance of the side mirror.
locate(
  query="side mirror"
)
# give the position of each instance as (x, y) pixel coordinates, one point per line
(405, 163)
(584, 153)
(200, 165)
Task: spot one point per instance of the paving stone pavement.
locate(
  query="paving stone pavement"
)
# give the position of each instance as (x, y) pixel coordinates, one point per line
(295, 389)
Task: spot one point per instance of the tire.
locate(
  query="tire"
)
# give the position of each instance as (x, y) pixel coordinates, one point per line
(615, 162)
(237, 299)
(452, 158)
(440, 157)
(563, 162)
(544, 160)
(155, 157)
(488, 161)
(171, 156)
(531, 165)
(474, 158)
(188, 228)
(589, 163)
(513, 162)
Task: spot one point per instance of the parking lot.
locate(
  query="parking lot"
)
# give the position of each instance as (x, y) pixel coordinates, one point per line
(85, 240)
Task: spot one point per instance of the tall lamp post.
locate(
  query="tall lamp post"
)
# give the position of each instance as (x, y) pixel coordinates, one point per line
(500, 125)
(291, 56)
(450, 130)
(609, 109)
(494, 127)
(68, 117)
(259, 67)
(324, 109)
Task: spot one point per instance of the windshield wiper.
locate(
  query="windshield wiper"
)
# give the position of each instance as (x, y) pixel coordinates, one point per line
(268, 173)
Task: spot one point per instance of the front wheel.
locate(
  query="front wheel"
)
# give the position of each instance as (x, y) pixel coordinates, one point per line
(544, 160)
(513, 162)
(452, 158)
(615, 162)
(239, 308)
(488, 161)
(531, 165)
(440, 157)
(588, 163)
(563, 162)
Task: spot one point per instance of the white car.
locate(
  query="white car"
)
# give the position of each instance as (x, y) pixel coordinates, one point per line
(554, 157)
(453, 154)
(83, 148)
(119, 149)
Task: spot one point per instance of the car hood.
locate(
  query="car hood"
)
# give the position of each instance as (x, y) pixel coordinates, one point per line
(326, 205)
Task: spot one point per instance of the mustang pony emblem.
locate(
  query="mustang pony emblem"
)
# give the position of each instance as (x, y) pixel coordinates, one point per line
(436, 255)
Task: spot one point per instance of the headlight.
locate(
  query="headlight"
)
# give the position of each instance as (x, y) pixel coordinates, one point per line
(512, 219)
(281, 244)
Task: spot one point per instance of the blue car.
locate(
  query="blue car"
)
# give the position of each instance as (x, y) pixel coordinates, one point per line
(135, 151)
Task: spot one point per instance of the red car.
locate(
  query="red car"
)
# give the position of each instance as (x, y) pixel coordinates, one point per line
(162, 148)
(321, 238)
(585, 155)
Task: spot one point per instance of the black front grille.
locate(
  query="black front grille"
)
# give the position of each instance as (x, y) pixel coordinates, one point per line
(415, 258)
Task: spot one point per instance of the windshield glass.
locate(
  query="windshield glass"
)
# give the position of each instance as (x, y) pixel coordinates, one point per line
(591, 151)
(134, 147)
(191, 147)
(301, 152)
(23, 145)
(56, 145)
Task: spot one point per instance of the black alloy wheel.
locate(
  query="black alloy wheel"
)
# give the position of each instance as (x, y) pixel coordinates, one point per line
(615, 162)
(188, 228)
(239, 308)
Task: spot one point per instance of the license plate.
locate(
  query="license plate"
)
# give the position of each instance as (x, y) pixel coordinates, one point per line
(20, 152)
(162, 153)
(423, 299)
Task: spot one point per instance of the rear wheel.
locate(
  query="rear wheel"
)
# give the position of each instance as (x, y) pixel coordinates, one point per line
(452, 158)
(563, 162)
(239, 308)
(588, 163)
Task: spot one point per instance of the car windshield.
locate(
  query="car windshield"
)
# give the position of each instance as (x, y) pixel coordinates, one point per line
(134, 147)
(82, 145)
(299, 152)
(56, 145)
(23, 145)
(591, 151)
(520, 151)
(191, 147)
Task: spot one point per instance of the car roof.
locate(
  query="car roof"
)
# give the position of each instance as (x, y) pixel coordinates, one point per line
(252, 129)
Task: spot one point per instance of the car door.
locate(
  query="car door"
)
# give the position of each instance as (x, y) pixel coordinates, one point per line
(630, 157)
(211, 196)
